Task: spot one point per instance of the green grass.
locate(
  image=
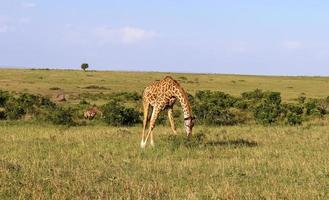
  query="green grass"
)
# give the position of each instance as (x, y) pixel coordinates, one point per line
(42, 161)
(99, 162)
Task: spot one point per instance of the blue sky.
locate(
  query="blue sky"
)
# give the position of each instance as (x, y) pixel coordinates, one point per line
(243, 37)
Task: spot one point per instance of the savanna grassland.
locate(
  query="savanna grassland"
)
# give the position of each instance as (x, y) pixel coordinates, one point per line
(96, 161)
(75, 82)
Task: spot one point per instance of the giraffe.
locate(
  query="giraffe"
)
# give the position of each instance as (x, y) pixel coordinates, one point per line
(162, 95)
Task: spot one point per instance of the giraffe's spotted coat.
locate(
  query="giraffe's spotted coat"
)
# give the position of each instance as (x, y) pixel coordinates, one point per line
(162, 95)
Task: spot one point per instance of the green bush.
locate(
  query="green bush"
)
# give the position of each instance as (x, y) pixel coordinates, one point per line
(266, 113)
(293, 113)
(269, 110)
(251, 99)
(3, 115)
(294, 119)
(219, 116)
(116, 114)
(14, 110)
(294, 108)
(37, 106)
(301, 99)
(272, 97)
(216, 98)
(46, 103)
(215, 108)
(241, 104)
(201, 110)
(241, 116)
(28, 102)
(253, 95)
(314, 108)
(4, 96)
(310, 107)
(162, 118)
(323, 106)
(209, 107)
(61, 116)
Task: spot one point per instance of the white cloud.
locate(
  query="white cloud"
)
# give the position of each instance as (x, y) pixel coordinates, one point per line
(131, 34)
(9, 24)
(5, 25)
(24, 20)
(4, 28)
(125, 35)
(28, 5)
(293, 45)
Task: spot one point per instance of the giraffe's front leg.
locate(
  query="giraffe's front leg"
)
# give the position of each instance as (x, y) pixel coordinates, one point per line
(155, 114)
(146, 107)
(151, 139)
(171, 119)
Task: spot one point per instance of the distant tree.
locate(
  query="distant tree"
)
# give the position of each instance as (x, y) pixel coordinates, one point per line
(84, 66)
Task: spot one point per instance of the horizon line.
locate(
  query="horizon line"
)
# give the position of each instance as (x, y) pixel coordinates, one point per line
(159, 71)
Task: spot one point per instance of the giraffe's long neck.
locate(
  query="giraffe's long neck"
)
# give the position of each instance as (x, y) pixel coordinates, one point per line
(183, 99)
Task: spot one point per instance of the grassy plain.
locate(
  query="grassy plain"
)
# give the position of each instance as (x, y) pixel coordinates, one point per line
(74, 82)
(42, 161)
(100, 162)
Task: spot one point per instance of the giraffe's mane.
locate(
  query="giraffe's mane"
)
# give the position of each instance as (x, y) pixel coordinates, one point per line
(181, 89)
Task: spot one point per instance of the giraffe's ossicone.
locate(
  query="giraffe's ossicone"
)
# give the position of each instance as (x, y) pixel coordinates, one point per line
(162, 95)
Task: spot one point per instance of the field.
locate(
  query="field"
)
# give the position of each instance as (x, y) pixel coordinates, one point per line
(43, 161)
(76, 82)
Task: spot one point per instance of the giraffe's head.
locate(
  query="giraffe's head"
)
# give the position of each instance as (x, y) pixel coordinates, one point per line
(189, 123)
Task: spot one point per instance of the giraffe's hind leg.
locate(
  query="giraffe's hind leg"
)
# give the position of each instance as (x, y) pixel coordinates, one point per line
(171, 119)
(146, 107)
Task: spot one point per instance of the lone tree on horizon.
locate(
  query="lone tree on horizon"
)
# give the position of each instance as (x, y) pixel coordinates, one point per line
(84, 66)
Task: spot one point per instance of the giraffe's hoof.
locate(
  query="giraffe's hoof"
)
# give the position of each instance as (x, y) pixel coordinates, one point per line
(143, 144)
(152, 143)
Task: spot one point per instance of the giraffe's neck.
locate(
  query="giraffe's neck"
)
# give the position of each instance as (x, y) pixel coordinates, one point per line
(183, 99)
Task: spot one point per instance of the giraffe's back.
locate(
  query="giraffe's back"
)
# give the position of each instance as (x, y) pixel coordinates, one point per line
(161, 92)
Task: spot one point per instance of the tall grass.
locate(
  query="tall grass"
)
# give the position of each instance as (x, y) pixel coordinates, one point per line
(100, 162)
